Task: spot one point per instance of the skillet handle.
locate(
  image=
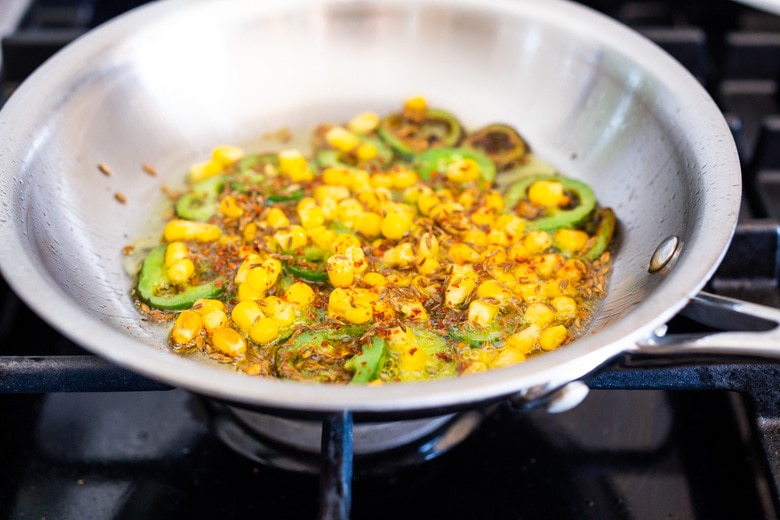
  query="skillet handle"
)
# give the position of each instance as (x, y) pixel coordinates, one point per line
(740, 330)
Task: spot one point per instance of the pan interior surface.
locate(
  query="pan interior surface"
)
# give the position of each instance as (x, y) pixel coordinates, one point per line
(166, 83)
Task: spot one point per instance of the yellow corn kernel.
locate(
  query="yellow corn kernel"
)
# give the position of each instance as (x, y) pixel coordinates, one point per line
(343, 242)
(552, 288)
(247, 293)
(572, 270)
(547, 194)
(475, 237)
(565, 308)
(276, 218)
(175, 251)
(228, 341)
(300, 294)
(293, 164)
(482, 313)
(463, 170)
(494, 200)
(428, 265)
(364, 123)
(366, 152)
(283, 312)
(512, 225)
(462, 253)
(213, 320)
(229, 207)
(413, 193)
(245, 313)
(226, 155)
(204, 170)
(204, 306)
(483, 216)
(358, 312)
(524, 273)
(361, 181)
(264, 331)
(507, 357)
(323, 192)
(395, 226)
(401, 255)
(523, 341)
(337, 176)
(338, 301)
(383, 310)
(285, 315)
(468, 198)
(342, 139)
(411, 309)
(411, 358)
(358, 259)
(322, 237)
(349, 211)
(416, 105)
(363, 295)
(547, 265)
(536, 241)
(178, 229)
(458, 290)
(553, 337)
(369, 224)
(374, 279)
(497, 237)
(494, 255)
(539, 314)
(427, 201)
(311, 217)
(188, 324)
(494, 290)
(570, 240)
(381, 180)
(264, 276)
(249, 232)
(404, 178)
(251, 260)
(340, 271)
(374, 199)
(291, 237)
(180, 271)
(428, 246)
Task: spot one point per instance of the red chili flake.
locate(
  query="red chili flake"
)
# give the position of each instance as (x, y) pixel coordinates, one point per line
(412, 351)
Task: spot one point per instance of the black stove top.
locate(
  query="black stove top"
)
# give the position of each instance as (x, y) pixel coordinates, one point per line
(695, 442)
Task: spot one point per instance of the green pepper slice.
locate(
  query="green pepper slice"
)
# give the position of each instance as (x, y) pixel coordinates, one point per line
(368, 364)
(475, 336)
(407, 137)
(156, 289)
(310, 265)
(502, 143)
(437, 159)
(337, 159)
(200, 203)
(317, 356)
(603, 236)
(438, 362)
(555, 218)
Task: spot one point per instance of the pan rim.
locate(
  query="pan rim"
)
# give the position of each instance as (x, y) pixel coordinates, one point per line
(553, 369)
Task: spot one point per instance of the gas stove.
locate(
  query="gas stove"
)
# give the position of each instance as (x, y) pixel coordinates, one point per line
(85, 439)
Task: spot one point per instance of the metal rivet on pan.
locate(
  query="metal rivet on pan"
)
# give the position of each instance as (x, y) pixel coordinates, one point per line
(663, 253)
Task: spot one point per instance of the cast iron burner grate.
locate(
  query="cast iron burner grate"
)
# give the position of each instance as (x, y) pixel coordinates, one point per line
(735, 52)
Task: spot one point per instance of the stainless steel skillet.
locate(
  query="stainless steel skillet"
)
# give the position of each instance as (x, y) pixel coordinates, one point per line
(167, 82)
